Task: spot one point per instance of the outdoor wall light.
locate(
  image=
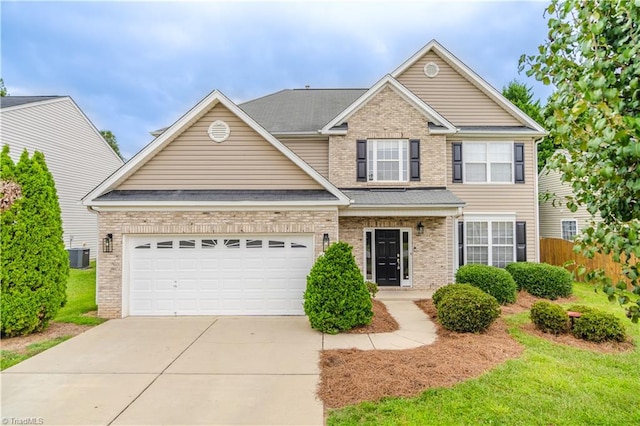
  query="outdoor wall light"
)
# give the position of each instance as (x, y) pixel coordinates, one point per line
(420, 228)
(107, 244)
(325, 242)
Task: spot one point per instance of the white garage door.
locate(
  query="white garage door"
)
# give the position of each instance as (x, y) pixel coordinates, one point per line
(212, 275)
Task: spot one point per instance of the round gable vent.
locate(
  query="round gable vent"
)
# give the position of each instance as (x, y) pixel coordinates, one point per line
(431, 69)
(219, 131)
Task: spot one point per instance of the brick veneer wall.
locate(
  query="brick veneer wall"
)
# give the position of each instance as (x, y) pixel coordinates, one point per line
(387, 116)
(122, 223)
(432, 260)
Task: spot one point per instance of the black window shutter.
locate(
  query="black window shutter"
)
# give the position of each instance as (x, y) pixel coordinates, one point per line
(414, 159)
(460, 243)
(518, 160)
(457, 162)
(361, 160)
(521, 241)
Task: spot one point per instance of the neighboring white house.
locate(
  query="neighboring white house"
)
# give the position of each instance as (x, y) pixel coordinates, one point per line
(556, 219)
(76, 154)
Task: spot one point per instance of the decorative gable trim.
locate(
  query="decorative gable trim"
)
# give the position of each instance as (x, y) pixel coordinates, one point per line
(405, 93)
(181, 125)
(475, 79)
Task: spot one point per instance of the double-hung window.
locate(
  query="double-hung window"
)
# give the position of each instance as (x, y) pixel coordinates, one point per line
(490, 242)
(569, 229)
(490, 162)
(387, 160)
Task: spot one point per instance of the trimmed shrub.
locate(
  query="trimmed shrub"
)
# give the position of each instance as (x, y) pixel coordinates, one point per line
(598, 326)
(549, 317)
(580, 308)
(337, 297)
(494, 281)
(468, 311)
(541, 279)
(372, 288)
(35, 264)
(443, 292)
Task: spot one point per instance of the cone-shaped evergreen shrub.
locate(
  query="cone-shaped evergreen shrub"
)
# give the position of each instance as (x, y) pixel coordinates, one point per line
(35, 264)
(337, 297)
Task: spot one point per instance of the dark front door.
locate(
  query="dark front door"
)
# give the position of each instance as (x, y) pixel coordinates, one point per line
(388, 257)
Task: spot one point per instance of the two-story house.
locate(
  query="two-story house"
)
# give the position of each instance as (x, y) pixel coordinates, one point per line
(227, 209)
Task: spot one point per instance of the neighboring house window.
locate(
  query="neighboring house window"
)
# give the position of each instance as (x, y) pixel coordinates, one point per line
(388, 160)
(488, 162)
(569, 229)
(489, 242)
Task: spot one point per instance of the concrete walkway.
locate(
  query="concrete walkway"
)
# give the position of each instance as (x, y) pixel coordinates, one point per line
(416, 329)
(192, 370)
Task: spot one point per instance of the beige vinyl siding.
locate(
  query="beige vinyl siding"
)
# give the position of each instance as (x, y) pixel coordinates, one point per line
(77, 156)
(551, 216)
(315, 152)
(453, 96)
(502, 198)
(244, 161)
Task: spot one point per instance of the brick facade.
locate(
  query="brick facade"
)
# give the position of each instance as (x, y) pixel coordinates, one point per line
(432, 251)
(387, 116)
(121, 223)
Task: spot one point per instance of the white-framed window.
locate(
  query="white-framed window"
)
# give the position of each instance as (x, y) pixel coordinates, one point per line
(388, 160)
(488, 162)
(490, 241)
(569, 229)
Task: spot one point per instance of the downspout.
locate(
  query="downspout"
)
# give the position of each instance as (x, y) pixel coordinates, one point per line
(537, 202)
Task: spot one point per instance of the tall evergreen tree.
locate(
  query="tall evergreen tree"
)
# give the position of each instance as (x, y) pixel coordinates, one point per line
(35, 264)
(521, 96)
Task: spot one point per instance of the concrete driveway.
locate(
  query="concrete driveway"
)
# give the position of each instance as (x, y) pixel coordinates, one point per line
(173, 371)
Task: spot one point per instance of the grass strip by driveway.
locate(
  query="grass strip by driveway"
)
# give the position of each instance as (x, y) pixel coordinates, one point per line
(10, 358)
(550, 384)
(81, 298)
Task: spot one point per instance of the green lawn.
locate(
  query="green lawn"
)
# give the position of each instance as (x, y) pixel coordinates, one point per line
(8, 358)
(549, 384)
(81, 298)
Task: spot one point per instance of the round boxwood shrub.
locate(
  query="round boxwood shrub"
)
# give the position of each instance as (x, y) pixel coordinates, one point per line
(541, 279)
(337, 297)
(443, 292)
(598, 326)
(468, 311)
(494, 281)
(549, 317)
(580, 308)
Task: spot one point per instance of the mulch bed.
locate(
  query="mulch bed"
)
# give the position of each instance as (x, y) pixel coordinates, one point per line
(382, 321)
(350, 376)
(55, 329)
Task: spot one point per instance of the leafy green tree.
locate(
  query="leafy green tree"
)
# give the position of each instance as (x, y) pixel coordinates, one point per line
(591, 57)
(521, 96)
(3, 90)
(35, 264)
(112, 141)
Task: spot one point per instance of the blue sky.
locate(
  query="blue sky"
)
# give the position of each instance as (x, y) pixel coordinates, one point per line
(138, 66)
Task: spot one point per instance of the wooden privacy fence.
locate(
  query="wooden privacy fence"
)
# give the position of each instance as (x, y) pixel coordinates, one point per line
(557, 251)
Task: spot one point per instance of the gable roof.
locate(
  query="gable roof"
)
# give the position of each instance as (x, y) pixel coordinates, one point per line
(475, 79)
(299, 110)
(182, 124)
(14, 101)
(407, 95)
